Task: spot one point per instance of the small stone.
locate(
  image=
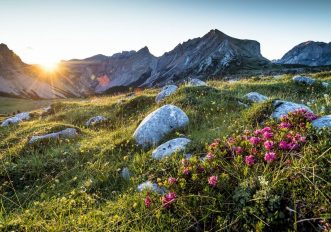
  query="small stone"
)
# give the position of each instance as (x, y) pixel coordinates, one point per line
(126, 173)
(325, 84)
(95, 121)
(170, 147)
(196, 82)
(165, 92)
(256, 97)
(148, 185)
(304, 80)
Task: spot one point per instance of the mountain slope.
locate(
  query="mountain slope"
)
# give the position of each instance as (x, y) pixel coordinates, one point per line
(308, 53)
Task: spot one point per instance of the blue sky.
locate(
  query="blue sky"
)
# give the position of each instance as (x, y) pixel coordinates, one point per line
(49, 31)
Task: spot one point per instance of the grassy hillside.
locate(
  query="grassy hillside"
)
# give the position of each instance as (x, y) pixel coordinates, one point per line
(76, 184)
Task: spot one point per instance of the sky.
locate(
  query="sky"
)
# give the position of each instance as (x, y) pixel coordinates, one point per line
(46, 31)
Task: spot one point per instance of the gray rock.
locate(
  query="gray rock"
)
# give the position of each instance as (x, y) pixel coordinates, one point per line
(322, 122)
(282, 108)
(165, 92)
(159, 123)
(148, 185)
(256, 97)
(304, 80)
(196, 82)
(170, 147)
(16, 119)
(95, 120)
(67, 133)
(126, 173)
(325, 84)
(47, 111)
(242, 104)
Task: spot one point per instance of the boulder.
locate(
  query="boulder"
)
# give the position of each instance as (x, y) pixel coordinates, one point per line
(148, 185)
(95, 120)
(282, 108)
(256, 97)
(67, 133)
(196, 82)
(159, 123)
(170, 147)
(16, 119)
(322, 122)
(304, 80)
(165, 92)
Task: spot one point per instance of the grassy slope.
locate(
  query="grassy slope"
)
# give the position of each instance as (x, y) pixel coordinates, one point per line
(76, 184)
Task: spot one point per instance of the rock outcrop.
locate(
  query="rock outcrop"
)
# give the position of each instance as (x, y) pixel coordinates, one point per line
(308, 53)
(170, 147)
(16, 119)
(67, 133)
(159, 123)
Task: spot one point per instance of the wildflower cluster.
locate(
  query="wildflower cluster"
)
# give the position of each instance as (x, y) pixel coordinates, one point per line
(275, 143)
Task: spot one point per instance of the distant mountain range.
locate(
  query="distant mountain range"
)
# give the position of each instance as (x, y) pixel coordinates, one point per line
(214, 54)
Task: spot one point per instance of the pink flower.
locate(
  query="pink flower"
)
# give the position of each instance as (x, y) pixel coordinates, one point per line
(254, 150)
(238, 150)
(148, 201)
(209, 156)
(270, 156)
(268, 145)
(186, 171)
(254, 140)
(249, 160)
(284, 125)
(168, 199)
(293, 146)
(258, 132)
(283, 145)
(267, 135)
(212, 181)
(266, 129)
(172, 180)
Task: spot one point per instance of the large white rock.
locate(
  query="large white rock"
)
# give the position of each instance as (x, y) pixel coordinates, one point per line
(170, 147)
(282, 108)
(95, 120)
(256, 97)
(304, 80)
(322, 122)
(166, 92)
(16, 119)
(149, 186)
(159, 123)
(196, 82)
(67, 133)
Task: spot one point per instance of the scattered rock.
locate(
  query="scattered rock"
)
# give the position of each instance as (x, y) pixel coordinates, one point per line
(325, 84)
(67, 133)
(166, 92)
(196, 82)
(304, 80)
(282, 108)
(256, 97)
(242, 104)
(158, 124)
(126, 173)
(95, 120)
(130, 95)
(170, 147)
(148, 185)
(321, 122)
(277, 77)
(16, 119)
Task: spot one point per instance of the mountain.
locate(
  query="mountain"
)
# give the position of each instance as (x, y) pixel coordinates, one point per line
(28, 81)
(308, 53)
(213, 54)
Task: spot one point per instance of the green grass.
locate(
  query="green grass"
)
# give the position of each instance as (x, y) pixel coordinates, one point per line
(76, 185)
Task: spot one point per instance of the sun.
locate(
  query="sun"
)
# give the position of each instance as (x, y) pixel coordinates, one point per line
(49, 66)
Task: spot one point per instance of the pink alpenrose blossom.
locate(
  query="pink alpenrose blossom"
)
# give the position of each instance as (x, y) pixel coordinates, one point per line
(249, 160)
(148, 201)
(212, 181)
(270, 157)
(268, 145)
(172, 180)
(168, 199)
